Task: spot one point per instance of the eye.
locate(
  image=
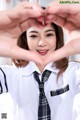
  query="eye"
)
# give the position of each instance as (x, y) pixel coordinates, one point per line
(33, 36)
(49, 35)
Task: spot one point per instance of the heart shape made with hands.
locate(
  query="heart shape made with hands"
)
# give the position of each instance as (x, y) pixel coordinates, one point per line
(17, 23)
(8, 43)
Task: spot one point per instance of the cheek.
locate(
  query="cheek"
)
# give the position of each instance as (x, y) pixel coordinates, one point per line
(31, 45)
(53, 44)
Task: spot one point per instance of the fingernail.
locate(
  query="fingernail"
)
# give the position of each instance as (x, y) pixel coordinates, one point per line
(40, 19)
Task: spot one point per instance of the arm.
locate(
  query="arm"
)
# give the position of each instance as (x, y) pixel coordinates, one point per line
(68, 17)
(12, 24)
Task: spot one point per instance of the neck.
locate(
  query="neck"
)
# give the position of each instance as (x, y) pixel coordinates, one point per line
(41, 68)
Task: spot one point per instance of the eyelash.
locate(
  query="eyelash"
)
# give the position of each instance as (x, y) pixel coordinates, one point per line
(33, 36)
(49, 35)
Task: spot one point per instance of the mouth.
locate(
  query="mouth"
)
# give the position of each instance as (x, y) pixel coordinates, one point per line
(42, 52)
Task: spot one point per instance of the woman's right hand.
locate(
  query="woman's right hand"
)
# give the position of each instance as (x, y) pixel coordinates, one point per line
(12, 24)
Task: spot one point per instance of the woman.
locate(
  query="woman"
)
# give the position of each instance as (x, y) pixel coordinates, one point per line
(59, 87)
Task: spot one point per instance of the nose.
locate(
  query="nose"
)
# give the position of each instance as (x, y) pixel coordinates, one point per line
(41, 43)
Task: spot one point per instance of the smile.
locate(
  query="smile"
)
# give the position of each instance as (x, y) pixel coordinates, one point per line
(42, 52)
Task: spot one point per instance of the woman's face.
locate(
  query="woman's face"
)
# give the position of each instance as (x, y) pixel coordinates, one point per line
(41, 40)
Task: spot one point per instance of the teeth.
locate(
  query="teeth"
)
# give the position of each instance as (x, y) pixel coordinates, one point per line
(42, 50)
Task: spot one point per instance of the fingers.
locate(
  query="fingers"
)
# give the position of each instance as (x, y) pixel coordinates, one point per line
(65, 15)
(61, 22)
(71, 48)
(26, 10)
(33, 12)
(30, 22)
(57, 55)
(56, 19)
(8, 49)
(4, 20)
(25, 55)
(64, 20)
(57, 7)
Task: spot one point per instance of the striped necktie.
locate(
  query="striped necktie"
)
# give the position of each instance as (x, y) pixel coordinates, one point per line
(44, 112)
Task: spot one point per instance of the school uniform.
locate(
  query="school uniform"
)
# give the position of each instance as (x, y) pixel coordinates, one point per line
(60, 93)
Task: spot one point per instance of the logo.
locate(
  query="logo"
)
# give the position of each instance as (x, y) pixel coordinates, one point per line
(3, 116)
(69, 1)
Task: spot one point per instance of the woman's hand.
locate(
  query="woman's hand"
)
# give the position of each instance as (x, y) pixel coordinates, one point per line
(68, 17)
(65, 15)
(12, 24)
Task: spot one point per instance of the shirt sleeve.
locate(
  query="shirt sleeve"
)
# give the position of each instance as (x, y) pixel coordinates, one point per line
(9, 81)
(3, 82)
(8, 91)
(77, 82)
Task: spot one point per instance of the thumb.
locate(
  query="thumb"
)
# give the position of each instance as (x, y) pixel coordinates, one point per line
(28, 23)
(24, 55)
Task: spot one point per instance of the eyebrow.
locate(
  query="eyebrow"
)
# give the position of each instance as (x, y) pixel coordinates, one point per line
(50, 30)
(45, 31)
(33, 32)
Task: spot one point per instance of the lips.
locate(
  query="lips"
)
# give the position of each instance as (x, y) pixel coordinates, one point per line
(42, 52)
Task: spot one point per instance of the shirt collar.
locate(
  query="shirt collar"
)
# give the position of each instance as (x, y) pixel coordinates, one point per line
(31, 67)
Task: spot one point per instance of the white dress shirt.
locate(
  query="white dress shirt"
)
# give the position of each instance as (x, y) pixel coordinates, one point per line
(25, 92)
